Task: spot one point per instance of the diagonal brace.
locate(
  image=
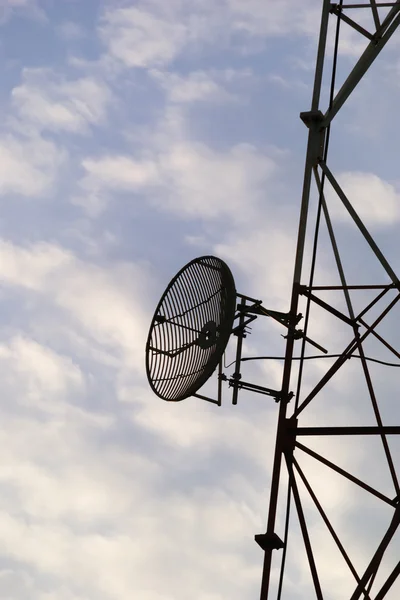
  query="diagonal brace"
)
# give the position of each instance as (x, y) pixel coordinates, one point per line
(329, 308)
(372, 51)
(336, 10)
(376, 559)
(360, 224)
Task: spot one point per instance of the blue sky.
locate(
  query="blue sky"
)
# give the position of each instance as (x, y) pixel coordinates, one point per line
(136, 136)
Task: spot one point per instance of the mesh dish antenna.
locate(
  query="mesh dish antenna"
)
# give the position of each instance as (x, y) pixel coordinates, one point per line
(190, 328)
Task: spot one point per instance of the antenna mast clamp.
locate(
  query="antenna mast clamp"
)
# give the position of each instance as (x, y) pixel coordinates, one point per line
(268, 541)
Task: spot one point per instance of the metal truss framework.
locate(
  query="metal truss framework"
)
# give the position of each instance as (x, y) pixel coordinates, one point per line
(290, 433)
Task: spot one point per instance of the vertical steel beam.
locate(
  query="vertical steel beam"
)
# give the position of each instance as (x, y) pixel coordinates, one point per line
(312, 149)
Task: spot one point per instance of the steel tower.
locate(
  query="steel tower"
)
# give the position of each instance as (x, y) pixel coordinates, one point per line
(357, 301)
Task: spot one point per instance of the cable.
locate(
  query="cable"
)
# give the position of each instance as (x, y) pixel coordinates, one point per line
(376, 360)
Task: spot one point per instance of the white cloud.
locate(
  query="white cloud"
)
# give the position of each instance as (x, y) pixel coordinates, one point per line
(265, 256)
(189, 179)
(106, 304)
(288, 83)
(120, 172)
(45, 373)
(71, 30)
(45, 100)
(154, 34)
(28, 165)
(206, 183)
(197, 86)
(197, 429)
(14, 3)
(18, 584)
(111, 566)
(75, 512)
(376, 201)
(260, 18)
(77, 503)
(30, 8)
(140, 38)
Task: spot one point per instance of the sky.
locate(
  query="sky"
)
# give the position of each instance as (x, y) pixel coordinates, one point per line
(135, 136)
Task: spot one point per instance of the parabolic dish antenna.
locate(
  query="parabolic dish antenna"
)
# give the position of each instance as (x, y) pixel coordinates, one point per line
(190, 328)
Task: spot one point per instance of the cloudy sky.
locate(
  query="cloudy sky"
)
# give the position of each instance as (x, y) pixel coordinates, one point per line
(135, 136)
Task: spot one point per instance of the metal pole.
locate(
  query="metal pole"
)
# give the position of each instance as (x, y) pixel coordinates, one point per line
(312, 153)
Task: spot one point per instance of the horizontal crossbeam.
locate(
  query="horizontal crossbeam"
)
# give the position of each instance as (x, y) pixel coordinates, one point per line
(388, 430)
